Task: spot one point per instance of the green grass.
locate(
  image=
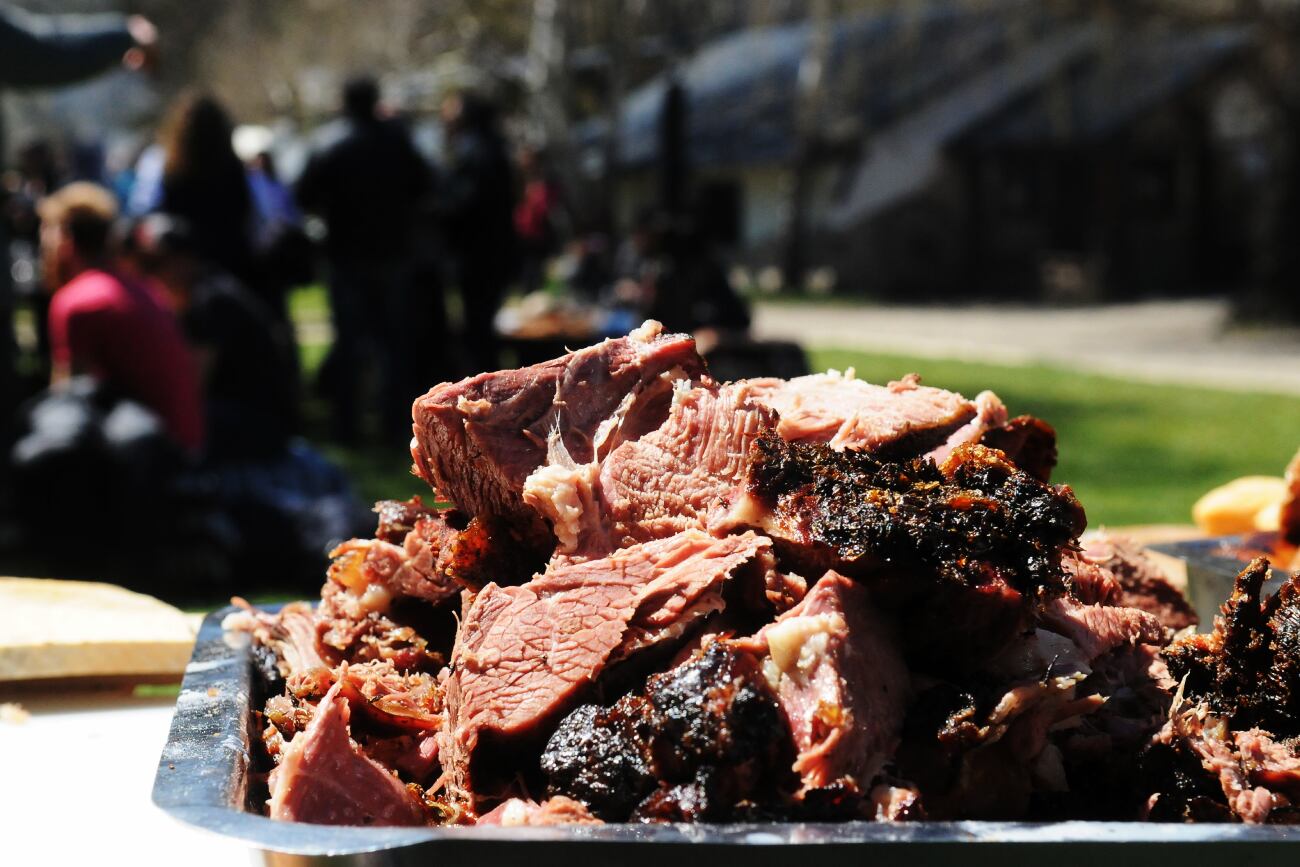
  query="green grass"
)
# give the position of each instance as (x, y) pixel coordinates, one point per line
(1134, 453)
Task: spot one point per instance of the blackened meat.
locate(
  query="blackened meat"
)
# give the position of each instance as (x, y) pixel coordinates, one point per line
(1239, 714)
(1028, 442)
(1248, 669)
(705, 741)
(976, 538)
(974, 520)
(477, 440)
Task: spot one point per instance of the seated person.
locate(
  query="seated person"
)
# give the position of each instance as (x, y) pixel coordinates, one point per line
(245, 365)
(111, 327)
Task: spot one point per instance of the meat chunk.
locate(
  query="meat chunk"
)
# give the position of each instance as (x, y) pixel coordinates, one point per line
(291, 634)
(990, 413)
(525, 654)
(518, 812)
(977, 539)
(1248, 669)
(841, 681)
(1113, 570)
(902, 419)
(1028, 442)
(678, 476)
(398, 517)
(1098, 629)
(705, 741)
(1227, 751)
(477, 440)
(323, 777)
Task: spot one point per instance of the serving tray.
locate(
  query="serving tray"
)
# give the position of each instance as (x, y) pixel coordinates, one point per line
(204, 775)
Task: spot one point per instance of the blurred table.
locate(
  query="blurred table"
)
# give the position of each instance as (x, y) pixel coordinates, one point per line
(75, 783)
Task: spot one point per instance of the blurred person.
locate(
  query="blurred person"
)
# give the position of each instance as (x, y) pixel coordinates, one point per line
(245, 366)
(284, 255)
(539, 217)
(690, 291)
(366, 179)
(204, 182)
(476, 204)
(44, 51)
(110, 327)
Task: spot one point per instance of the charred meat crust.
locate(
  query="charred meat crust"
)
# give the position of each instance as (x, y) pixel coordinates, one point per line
(1248, 669)
(705, 741)
(976, 520)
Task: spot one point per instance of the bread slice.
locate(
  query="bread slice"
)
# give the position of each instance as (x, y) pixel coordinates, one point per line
(51, 630)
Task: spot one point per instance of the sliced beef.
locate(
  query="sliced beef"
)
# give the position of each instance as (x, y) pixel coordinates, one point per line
(705, 741)
(1028, 442)
(525, 654)
(291, 634)
(324, 778)
(1099, 629)
(902, 419)
(977, 539)
(477, 440)
(841, 680)
(678, 476)
(520, 812)
(1113, 570)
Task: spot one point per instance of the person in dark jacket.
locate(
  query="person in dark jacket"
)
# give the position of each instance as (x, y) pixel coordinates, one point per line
(204, 182)
(366, 180)
(476, 201)
(40, 51)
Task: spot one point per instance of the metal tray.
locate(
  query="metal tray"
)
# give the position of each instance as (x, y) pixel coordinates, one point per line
(203, 780)
(1213, 565)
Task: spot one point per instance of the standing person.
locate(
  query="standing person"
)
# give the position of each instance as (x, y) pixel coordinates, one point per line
(38, 51)
(366, 180)
(538, 217)
(203, 182)
(476, 201)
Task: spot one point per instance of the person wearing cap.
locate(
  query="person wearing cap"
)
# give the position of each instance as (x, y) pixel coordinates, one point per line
(109, 326)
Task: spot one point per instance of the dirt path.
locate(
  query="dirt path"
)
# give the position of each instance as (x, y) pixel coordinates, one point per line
(1187, 342)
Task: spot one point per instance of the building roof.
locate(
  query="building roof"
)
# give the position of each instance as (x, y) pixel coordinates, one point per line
(884, 68)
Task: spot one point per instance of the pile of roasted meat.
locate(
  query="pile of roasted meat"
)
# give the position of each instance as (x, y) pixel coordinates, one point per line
(639, 595)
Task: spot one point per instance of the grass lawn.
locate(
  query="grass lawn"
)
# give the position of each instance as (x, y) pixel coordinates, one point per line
(1135, 453)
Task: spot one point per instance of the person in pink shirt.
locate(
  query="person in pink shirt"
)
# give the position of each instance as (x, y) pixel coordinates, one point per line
(109, 326)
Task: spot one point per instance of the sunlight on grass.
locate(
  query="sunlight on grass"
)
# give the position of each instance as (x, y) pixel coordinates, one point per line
(1135, 453)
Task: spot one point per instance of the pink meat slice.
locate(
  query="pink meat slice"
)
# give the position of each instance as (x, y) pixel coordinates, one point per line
(520, 812)
(1099, 629)
(324, 778)
(477, 440)
(676, 477)
(903, 417)
(524, 654)
(841, 679)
